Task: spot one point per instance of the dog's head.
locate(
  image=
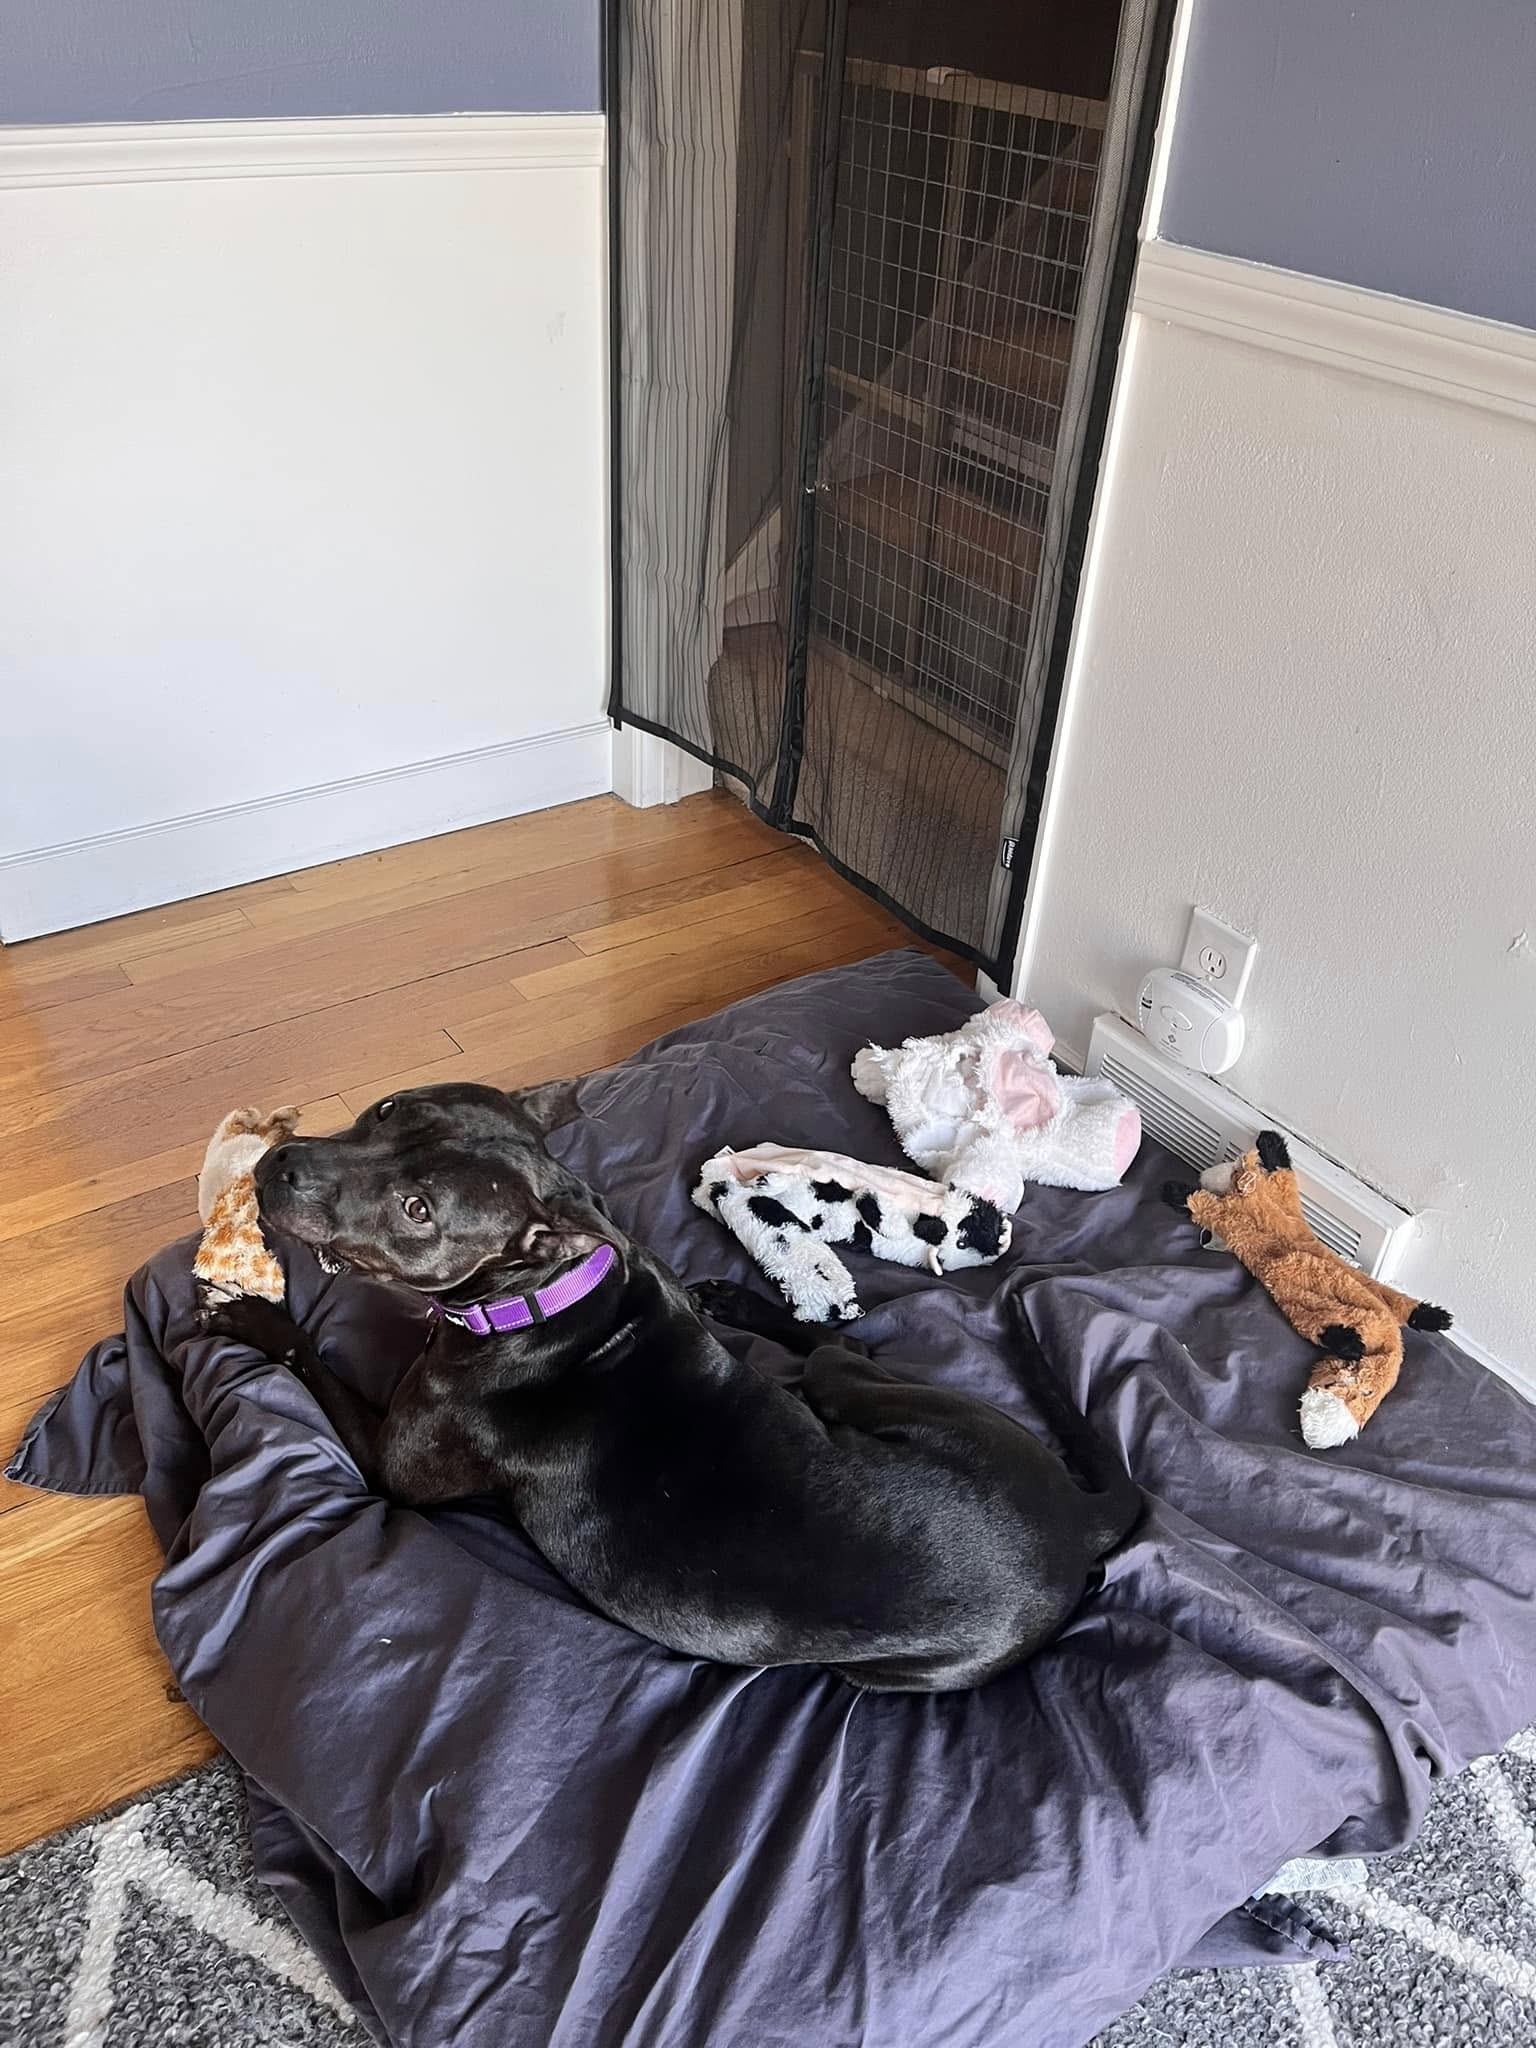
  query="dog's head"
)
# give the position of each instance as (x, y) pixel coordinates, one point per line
(435, 1186)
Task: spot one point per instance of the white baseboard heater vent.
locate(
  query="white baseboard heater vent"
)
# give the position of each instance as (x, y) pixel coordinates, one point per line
(1201, 1122)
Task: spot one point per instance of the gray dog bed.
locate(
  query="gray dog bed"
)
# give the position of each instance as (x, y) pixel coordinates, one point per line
(503, 1820)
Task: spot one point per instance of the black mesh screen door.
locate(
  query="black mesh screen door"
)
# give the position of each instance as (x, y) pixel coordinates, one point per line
(870, 266)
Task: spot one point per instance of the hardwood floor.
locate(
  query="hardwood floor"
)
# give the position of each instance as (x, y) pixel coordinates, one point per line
(547, 945)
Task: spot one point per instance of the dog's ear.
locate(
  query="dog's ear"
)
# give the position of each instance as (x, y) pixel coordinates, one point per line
(547, 1244)
(546, 1108)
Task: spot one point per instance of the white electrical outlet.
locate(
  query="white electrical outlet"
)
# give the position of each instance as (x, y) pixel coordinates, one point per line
(1219, 955)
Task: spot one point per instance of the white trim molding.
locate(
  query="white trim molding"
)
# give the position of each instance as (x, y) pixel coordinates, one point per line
(58, 887)
(1453, 356)
(150, 152)
(649, 771)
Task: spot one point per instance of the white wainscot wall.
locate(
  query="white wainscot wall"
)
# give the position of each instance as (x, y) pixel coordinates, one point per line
(1301, 694)
(302, 542)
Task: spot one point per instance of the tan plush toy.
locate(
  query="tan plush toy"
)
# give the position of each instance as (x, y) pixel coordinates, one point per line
(233, 1259)
(1254, 1206)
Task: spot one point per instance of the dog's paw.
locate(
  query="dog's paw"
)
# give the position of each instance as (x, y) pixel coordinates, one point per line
(720, 1300)
(263, 1326)
(1177, 1192)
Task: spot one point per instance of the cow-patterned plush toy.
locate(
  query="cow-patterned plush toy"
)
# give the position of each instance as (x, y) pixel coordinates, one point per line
(788, 1207)
(233, 1259)
(983, 1108)
(1254, 1206)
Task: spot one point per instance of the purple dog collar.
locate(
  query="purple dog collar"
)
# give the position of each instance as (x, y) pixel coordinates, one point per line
(522, 1311)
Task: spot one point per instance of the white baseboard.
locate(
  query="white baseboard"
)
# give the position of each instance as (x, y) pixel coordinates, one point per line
(1455, 356)
(58, 887)
(648, 770)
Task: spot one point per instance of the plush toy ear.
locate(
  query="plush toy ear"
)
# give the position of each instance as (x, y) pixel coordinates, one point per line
(1026, 1022)
(1272, 1152)
(1027, 1092)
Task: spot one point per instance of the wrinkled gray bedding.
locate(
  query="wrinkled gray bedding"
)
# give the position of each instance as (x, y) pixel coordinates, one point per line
(505, 1821)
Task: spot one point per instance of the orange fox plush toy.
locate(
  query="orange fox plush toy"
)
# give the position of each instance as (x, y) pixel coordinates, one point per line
(1253, 1205)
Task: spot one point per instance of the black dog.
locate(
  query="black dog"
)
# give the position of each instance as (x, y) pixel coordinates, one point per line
(912, 1538)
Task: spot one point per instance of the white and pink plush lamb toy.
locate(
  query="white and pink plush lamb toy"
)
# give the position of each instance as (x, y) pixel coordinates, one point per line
(983, 1108)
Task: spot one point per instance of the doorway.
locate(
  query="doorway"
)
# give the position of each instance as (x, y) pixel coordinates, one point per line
(870, 270)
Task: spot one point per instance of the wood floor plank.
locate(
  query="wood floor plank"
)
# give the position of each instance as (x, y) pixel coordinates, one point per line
(510, 953)
(513, 848)
(141, 934)
(771, 918)
(90, 1713)
(543, 1044)
(63, 984)
(312, 1055)
(106, 1123)
(40, 1207)
(61, 1290)
(501, 1035)
(599, 824)
(796, 868)
(362, 893)
(100, 1034)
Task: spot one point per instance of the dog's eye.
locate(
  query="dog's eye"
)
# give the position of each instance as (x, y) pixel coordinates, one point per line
(416, 1209)
(385, 1108)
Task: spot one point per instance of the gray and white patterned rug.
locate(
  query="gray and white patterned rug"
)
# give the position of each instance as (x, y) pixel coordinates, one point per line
(147, 1929)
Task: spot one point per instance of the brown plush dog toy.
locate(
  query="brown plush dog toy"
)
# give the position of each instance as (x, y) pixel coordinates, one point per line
(1254, 1206)
(233, 1258)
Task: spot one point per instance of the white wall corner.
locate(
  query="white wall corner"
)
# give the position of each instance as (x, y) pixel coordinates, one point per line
(649, 771)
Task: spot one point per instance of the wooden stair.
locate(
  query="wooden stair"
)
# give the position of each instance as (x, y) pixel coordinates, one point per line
(971, 540)
(1029, 360)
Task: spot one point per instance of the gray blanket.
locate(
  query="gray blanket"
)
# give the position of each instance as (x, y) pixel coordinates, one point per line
(503, 1820)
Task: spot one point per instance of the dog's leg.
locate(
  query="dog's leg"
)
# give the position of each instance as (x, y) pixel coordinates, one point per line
(353, 1419)
(740, 1308)
(268, 1328)
(426, 1455)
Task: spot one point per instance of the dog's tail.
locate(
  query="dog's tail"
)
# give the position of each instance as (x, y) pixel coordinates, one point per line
(1115, 1500)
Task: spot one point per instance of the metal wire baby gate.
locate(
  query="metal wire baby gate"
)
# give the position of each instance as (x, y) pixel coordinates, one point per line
(961, 235)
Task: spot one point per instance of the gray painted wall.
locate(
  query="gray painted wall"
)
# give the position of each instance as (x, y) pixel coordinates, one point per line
(183, 60)
(1388, 143)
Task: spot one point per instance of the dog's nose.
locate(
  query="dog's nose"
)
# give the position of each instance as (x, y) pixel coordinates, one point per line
(282, 1163)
